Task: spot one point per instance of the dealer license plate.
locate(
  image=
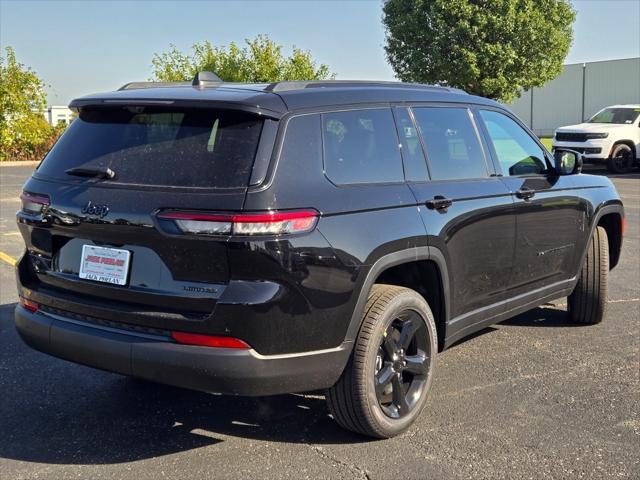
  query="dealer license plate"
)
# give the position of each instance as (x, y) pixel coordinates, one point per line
(102, 264)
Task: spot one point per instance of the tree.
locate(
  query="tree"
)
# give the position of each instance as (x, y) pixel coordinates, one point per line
(492, 48)
(261, 60)
(24, 133)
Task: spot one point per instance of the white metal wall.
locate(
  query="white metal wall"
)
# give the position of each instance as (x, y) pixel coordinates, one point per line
(559, 102)
(522, 107)
(608, 83)
(579, 92)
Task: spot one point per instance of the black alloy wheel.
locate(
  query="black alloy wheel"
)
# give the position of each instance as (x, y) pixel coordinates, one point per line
(386, 382)
(402, 365)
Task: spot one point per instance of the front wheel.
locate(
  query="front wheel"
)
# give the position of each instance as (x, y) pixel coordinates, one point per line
(384, 387)
(588, 302)
(621, 160)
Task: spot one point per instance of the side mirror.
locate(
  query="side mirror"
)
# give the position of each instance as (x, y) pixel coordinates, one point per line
(567, 162)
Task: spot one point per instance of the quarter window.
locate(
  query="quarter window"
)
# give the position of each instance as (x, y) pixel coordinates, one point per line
(361, 146)
(516, 151)
(452, 144)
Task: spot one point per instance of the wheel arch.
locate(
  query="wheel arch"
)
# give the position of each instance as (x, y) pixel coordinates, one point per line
(613, 223)
(409, 268)
(610, 216)
(629, 143)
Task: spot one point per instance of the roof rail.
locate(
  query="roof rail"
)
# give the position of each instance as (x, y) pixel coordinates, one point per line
(299, 85)
(201, 80)
(137, 85)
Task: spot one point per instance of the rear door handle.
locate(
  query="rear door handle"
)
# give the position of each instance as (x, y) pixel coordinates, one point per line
(439, 203)
(525, 193)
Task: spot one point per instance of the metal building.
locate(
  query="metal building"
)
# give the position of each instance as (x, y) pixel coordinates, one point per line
(580, 91)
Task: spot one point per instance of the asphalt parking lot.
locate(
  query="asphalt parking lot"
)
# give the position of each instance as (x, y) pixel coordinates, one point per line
(534, 397)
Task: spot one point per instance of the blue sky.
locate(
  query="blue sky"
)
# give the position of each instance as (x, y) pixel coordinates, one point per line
(80, 47)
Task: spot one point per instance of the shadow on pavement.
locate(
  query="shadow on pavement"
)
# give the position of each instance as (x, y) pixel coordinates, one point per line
(600, 170)
(628, 176)
(56, 412)
(542, 317)
(473, 336)
(545, 316)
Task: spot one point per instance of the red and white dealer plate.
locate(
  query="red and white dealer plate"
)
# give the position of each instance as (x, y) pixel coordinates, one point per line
(102, 264)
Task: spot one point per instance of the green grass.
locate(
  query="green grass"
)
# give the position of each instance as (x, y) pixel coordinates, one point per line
(546, 141)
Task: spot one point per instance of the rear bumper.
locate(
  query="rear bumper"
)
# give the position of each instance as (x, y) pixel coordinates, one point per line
(158, 359)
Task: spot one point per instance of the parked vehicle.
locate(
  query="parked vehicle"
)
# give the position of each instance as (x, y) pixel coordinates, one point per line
(296, 236)
(612, 135)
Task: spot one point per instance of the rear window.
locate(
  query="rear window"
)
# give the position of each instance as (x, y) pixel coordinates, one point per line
(151, 146)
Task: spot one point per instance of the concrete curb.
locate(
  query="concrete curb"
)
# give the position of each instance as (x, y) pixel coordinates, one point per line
(19, 164)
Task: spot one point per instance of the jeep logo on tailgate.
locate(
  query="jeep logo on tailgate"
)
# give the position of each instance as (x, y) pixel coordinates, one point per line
(97, 210)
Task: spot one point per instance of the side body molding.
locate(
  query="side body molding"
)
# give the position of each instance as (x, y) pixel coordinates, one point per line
(460, 327)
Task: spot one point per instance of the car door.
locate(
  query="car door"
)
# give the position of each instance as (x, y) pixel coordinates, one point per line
(549, 214)
(467, 212)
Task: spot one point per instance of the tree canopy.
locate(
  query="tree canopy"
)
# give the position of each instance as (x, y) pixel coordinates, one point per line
(24, 133)
(21, 91)
(492, 48)
(260, 60)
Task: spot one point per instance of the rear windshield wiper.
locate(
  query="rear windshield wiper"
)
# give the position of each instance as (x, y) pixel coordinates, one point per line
(97, 172)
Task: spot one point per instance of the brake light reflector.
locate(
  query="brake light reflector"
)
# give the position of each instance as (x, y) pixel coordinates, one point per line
(623, 226)
(208, 340)
(32, 203)
(29, 305)
(270, 223)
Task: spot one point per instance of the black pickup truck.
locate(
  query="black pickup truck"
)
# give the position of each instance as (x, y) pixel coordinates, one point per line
(259, 239)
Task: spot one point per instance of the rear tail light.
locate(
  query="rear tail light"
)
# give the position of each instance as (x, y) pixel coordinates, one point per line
(271, 223)
(208, 340)
(33, 203)
(29, 305)
(200, 223)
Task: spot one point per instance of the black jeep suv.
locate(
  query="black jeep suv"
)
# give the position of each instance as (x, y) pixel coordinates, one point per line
(258, 239)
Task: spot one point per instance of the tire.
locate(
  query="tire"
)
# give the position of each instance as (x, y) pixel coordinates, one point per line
(588, 301)
(621, 159)
(403, 381)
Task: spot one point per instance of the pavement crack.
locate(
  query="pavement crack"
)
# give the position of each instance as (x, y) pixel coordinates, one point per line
(353, 468)
(617, 300)
(321, 452)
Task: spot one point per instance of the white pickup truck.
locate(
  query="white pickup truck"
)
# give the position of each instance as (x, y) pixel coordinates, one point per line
(612, 135)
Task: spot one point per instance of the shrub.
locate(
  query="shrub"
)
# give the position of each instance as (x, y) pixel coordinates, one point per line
(24, 133)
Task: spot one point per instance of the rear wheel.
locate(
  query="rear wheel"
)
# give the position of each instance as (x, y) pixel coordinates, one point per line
(384, 386)
(588, 302)
(621, 160)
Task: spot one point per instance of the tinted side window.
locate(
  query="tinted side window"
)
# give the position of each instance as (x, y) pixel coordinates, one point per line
(302, 149)
(415, 165)
(361, 146)
(452, 144)
(517, 152)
